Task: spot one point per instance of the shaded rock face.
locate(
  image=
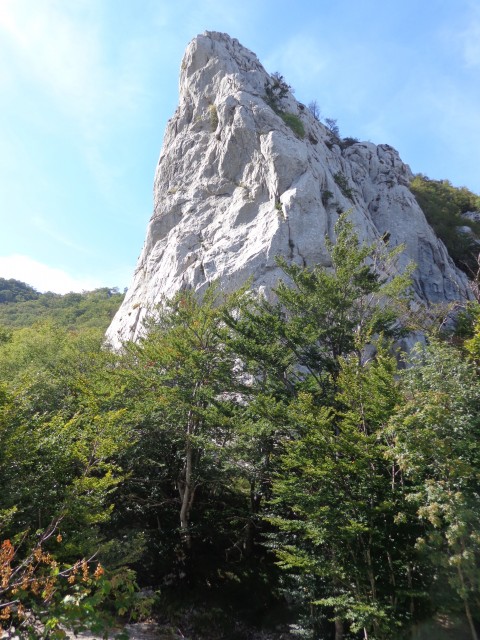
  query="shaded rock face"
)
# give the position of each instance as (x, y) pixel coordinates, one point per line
(235, 187)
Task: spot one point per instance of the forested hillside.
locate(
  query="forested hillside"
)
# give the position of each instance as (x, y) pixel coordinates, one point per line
(21, 306)
(248, 465)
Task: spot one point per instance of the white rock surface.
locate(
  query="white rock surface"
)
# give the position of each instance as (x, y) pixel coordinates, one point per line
(474, 216)
(465, 229)
(235, 187)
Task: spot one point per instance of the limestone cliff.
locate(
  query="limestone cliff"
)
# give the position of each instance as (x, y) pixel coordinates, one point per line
(236, 186)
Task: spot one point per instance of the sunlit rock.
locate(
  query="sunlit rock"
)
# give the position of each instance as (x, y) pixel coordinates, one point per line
(236, 186)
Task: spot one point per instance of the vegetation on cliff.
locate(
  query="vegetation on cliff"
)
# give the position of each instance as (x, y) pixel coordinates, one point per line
(443, 206)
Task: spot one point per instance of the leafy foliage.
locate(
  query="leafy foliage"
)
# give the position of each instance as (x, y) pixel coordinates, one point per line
(57, 465)
(336, 501)
(294, 122)
(342, 182)
(16, 291)
(183, 370)
(242, 446)
(443, 204)
(39, 596)
(437, 446)
(22, 306)
(276, 91)
(321, 314)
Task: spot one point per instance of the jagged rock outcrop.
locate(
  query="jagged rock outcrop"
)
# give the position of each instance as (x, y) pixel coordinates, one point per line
(235, 186)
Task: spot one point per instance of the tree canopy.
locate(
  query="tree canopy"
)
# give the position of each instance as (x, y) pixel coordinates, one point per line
(282, 448)
(22, 306)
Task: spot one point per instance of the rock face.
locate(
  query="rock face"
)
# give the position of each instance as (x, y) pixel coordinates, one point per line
(235, 186)
(474, 216)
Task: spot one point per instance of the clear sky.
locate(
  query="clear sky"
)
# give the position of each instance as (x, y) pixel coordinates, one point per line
(87, 86)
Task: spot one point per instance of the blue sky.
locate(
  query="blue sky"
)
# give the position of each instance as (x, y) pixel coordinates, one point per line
(87, 87)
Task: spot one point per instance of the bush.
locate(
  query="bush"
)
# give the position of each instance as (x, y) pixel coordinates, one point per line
(276, 91)
(213, 113)
(342, 182)
(326, 196)
(333, 129)
(347, 142)
(314, 109)
(443, 205)
(295, 124)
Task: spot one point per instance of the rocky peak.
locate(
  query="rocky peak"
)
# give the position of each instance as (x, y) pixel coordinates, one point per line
(247, 173)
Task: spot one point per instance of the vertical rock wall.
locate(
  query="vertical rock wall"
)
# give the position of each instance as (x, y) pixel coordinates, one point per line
(235, 186)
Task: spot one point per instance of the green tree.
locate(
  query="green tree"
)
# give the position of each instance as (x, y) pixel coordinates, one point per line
(183, 375)
(472, 345)
(437, 445)
(16, 291)
(299, 352)
(59, 447)
(22, 306)
(321, 314)
(336, 500)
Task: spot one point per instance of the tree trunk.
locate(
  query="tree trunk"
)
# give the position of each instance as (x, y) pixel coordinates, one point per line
(339, 630)
(186, 497)
(468, 612)
(410, 587)
(255, 500)
(186, 487)
(339, 624)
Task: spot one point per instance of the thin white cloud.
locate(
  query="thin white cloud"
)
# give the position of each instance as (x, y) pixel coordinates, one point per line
(470, 39)
(98, 84)
(43, 225)
(43, 277)
(61, 47)
(462, 37)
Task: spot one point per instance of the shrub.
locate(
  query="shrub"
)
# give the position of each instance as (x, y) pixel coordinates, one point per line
(326, 196)
(276, 91)
(443, 205)
(347, 142)
(295, 124)
(213, 113)
(333, 129)
(314, 109)
(342, 182)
